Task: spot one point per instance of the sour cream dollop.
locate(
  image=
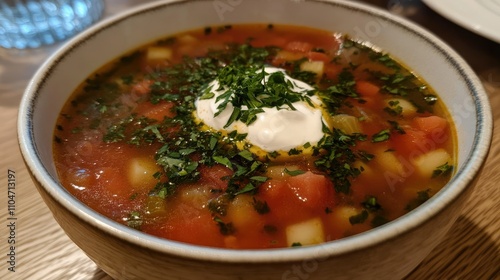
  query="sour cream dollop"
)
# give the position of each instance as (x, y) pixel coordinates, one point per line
(275, 129)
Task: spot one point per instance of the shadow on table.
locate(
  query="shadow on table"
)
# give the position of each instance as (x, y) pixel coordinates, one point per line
(100, 275)
(477, 256)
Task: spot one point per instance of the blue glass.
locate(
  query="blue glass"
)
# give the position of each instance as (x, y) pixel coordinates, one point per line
(33, 23)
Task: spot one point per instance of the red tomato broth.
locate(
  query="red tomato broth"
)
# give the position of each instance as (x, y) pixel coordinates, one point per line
(96, 140)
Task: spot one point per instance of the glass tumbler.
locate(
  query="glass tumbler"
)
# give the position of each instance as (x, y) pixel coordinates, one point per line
(33, 23)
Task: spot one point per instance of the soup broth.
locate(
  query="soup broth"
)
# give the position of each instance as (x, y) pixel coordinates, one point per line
(254, 136)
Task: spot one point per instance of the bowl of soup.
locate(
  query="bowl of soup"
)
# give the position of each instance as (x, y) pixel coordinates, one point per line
(255, 140)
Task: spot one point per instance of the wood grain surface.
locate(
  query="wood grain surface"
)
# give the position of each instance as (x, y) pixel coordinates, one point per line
(471, 249)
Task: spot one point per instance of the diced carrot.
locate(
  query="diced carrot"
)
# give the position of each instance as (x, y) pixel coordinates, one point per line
(318, 56)
(156, 111)
(142, 87)
(313, 190)
(431, 124)
(217, 175)
(299, 46)
(367, 89)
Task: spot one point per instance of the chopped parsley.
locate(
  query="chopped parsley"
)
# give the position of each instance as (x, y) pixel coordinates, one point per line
(442, 170)
(381, 136)
(359, 218)
(422, 197)
(225, 228)
(394, 108)
(134, 220)
(294, 172)
(371, 204)
(261, 206)
(244, 89)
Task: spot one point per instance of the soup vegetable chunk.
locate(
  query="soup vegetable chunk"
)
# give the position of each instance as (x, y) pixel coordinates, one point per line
(254, 136)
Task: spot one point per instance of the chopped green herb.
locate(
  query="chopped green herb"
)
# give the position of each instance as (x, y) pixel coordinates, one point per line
(422, 197)
(225, 228)
(134, 220)
(359, 218)
(378, 221)
(252, 94)
(294, 172)
(442, 170)
(219, 205)
(371, 204)
(394, 108)
(431, 99)
(382, 136)
(261, 206)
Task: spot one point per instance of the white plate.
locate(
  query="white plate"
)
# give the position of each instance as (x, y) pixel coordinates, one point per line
(479, 16)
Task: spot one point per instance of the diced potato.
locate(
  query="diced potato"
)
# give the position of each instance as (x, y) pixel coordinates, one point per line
(340, 216)
(428, 162)
(140, 173)
(288, 56)
(195, 196)
(406, 107)
(158, 53)
(365, 169)
(155, 206)
(388, 161)
(346, 123)
(241, 212)
(313, 66)
(278, 171)
(306, 233)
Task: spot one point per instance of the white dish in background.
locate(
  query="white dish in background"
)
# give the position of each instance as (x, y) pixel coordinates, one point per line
(480, 16)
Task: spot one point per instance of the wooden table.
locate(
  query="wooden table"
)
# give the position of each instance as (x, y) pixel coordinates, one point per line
(470, 251)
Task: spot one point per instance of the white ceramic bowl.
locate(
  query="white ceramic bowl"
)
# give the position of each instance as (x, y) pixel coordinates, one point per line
(388, 252)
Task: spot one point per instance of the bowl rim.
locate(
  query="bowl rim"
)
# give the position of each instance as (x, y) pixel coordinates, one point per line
(362, 241)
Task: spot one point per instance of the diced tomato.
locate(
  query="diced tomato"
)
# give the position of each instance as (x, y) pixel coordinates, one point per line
(217, 175)
(297, 196)
(281, 200)
(191, 225)
(329, 43)
(367, 89)
(431, 125)
(412, 141)
(318, 56)
(313, 190)
(332, 70)
(142, 87)
(156, 111)
(299, 46)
